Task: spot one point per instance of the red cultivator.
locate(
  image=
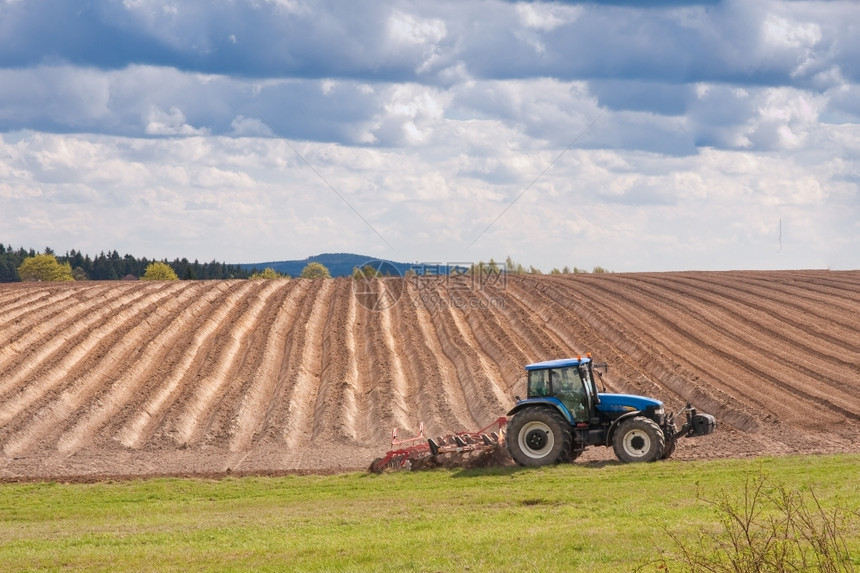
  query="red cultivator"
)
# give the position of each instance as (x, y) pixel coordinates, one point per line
(417, 452)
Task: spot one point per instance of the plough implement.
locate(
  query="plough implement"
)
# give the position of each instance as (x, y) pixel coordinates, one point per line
(418, 452)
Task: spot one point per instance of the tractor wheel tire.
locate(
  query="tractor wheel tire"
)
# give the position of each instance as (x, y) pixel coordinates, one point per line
(539, 437)
(638, 439)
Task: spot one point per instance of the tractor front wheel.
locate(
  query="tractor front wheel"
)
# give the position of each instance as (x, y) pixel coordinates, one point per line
(539, 437)
(638, 439)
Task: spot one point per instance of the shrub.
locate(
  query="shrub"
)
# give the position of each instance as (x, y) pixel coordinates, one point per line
(159, 271)
(268, 273)
(771, 528)
(44, 268)
(315, 270)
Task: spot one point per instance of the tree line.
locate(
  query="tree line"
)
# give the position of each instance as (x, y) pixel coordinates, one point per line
(111, 266)
(75, 265)
(513, 268)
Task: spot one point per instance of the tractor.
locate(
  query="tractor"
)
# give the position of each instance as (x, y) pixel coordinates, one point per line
(564, 413)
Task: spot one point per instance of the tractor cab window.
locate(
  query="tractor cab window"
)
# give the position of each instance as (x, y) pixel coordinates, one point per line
(538, 383)
(567, 386)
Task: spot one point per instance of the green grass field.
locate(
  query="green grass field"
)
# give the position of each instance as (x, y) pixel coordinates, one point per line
(580, 517)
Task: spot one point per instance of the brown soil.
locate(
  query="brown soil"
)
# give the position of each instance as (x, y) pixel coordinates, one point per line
(210, 378)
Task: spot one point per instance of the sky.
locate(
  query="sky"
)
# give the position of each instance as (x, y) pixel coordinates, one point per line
(635, 136)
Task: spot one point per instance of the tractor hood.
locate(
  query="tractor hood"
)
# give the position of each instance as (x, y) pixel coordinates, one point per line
(621, 403)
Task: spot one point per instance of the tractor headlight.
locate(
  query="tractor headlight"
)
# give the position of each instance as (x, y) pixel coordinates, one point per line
(659, 411)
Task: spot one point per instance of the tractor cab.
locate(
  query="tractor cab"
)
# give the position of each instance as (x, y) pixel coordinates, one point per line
(569, 381)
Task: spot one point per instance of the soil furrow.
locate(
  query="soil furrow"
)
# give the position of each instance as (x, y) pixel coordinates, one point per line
(818, 316)
(841, 284)
(44, 311)
(846, 281)
(796, 345)
(117, 341)
(45, 336)
(484, 399)
(563, 317)
(426, 387)
(737, 336)
(667, 360)
(804, 295)
(525, 324)
(68, 355)
(385, 397)
(186, 417)
(297, 425)
(296, 346)
(636, 367)
(155, 343)
(450, 394)
(570, 333)
(486, 375)
(145, 423)
(219, 426)
(175, 342)
(16, 304)
(400, 400)
(287, 423)
(255, 400)
(336, 407)
(494, 342)
(377, 413)
(688, 332)
(191, 423)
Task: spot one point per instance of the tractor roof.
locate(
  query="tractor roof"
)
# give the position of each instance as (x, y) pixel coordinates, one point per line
(559, 363)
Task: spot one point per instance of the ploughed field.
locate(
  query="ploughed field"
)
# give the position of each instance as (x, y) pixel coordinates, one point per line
(201, 377)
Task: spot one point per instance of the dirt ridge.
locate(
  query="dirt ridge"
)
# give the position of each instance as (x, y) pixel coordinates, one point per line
(257, 377)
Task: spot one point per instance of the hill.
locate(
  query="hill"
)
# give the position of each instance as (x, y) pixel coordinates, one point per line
(202, 376)
(338, 264)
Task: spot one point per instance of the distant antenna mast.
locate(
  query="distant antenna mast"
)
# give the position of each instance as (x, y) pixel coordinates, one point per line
(780, 235)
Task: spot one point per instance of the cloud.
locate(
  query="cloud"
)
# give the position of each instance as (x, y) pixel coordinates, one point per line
(546, 17)
(757, 118)
(222, 197)
(172, 122)
(733, 41)
(657, 97)
(637, 136)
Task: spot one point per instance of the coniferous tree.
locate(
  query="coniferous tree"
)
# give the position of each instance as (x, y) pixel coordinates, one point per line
(8, 274)
(103, 269)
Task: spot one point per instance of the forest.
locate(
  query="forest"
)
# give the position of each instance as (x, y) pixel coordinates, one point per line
(111, 266)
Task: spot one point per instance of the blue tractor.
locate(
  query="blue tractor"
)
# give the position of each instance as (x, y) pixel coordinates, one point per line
(565, 413)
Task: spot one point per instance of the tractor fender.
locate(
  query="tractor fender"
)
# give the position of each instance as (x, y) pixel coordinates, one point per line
(547, 402)
(617, 422)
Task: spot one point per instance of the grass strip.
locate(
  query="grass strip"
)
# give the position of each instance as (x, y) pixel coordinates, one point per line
(594, 517)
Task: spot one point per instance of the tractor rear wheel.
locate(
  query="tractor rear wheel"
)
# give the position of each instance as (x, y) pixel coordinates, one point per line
(638, 439)
(539, 437)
